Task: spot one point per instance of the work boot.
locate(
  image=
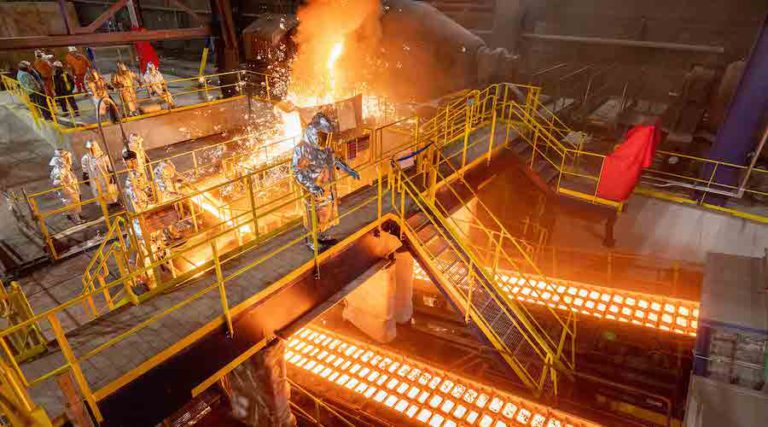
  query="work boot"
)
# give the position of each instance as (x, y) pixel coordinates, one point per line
(76, 219)
(328, 241)
(311, 245)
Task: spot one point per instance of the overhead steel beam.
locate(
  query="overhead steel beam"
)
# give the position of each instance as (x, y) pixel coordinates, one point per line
(101, 39)
(71, 26)
(192, 14)
(101, 19)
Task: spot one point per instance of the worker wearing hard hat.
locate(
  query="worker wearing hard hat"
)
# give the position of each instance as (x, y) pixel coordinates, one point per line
(78, 65)
(64, 85)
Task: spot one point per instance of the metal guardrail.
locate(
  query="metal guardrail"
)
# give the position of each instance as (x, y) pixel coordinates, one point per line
(188, 92)
(453, 125)
(479, 272)
(697, 176)
(215, 244)
(48, 212)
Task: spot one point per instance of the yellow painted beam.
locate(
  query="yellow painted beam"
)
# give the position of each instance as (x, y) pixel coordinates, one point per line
(590, 198)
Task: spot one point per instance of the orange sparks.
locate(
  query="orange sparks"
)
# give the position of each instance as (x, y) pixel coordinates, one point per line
(214, 207)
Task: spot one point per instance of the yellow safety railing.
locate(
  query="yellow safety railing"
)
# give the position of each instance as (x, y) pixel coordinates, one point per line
(527, 346)
(16, 406)
(188, 92)
(220, 246)
(618, 270)
(319, 404)
(27, 342)
(688, 179)
(119, 250)
(476, 110)
(220, 241)
(272, 205)
(25, 97)
(49, 212)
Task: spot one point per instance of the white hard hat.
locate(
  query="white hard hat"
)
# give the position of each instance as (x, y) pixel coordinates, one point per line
(57, 64)
(72, 49)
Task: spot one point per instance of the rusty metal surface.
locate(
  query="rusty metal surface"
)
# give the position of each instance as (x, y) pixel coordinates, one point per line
(102, 39)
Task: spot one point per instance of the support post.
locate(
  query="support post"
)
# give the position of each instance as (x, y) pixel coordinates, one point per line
(258, 389)
(222, 291)
(80, 379)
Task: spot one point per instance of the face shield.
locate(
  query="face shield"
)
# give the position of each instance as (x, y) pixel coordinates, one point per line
(57, 163)
(129, 157)
(320, 129)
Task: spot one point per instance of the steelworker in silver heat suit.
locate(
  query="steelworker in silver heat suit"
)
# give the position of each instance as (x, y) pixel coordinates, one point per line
(138, 194)
(313, 166)
(63, 177)
(98, 171)
(136, 144)
(167, 181)
(137, 188)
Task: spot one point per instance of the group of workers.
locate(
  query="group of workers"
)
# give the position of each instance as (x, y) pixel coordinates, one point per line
(138, 192)
(313, 167)
(46, 77)
(98, 171)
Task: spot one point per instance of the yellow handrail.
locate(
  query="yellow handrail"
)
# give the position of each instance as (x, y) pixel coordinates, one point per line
(475, 269)
(502, 233)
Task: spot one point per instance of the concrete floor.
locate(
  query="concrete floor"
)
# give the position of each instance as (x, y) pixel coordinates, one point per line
(24, 164)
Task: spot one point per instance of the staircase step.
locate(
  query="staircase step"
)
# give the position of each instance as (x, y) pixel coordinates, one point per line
(540, 165)
(549, 175)
(519, 147)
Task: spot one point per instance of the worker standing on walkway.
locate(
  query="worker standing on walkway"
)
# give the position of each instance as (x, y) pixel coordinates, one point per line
(167, 181)
(136, 144)
(78, 65)
(137, 189)
(98, 171)
(125, 81)
(44, 68)
(156, 84)
(99, 90)
(313, 166)
(64, 85)
(33, 87)
(66, 181)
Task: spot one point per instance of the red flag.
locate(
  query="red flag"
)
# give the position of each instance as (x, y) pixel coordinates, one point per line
(622, 168)
(146, 53)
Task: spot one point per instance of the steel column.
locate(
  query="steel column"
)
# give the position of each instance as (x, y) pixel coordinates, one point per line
(739, 133)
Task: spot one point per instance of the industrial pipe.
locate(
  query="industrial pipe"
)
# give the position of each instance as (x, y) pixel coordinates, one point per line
(627, 43)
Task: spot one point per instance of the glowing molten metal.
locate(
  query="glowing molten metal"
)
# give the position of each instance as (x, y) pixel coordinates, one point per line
(420, 392)
(648, 310)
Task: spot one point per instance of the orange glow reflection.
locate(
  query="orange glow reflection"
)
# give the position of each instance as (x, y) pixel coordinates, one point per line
(647, 310)
(414, 390)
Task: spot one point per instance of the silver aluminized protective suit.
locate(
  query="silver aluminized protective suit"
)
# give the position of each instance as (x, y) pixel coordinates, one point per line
(63, 177)
(313, 168)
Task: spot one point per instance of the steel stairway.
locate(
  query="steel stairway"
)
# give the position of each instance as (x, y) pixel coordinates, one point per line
(534, 341)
